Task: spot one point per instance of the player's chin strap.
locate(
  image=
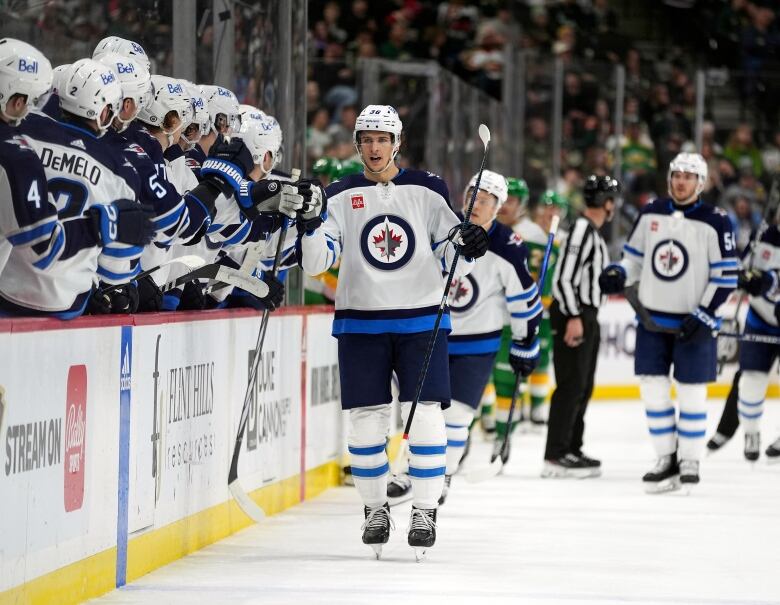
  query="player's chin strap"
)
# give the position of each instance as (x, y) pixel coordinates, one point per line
(389, 162)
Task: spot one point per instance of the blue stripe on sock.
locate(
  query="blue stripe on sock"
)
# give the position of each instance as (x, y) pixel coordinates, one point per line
(689, 416)
(428, 450)
(423, 473)
(368, 450)
(691, 434)
(370, 473)
(660, 413)
(663, 431)
(751, 404)
(756, 415)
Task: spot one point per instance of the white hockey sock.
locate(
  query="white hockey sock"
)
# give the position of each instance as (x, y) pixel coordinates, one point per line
(692, 426)
(457, 417)
(752, 390)
(659, 410)
(427, 452)
(369, 427)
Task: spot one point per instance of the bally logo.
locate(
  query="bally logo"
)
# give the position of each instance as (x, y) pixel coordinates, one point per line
(357, 201)
(75, 437)
(654, 226)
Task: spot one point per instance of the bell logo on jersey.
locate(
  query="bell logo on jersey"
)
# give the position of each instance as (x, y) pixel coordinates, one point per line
(121, 68)
(387, 242)
(463, 294)
(357, 201)
(670, 260)
(28, 67)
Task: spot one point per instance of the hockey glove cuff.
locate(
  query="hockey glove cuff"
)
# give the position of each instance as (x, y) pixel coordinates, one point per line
(523, 356)
(314, 211)
(612, 279)
(124, 221)
(699, 323)
(150, 296)
(473, 240)
(757, 283)
(225, 175)
(267, 197)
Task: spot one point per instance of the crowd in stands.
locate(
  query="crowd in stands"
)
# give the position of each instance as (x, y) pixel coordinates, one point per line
(738, 41)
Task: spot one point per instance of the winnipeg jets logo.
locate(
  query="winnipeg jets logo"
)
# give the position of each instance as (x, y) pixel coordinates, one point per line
(670, 260)
(387, 242)
(463, 294)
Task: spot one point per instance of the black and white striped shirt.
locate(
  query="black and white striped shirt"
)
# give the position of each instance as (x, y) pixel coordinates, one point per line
(583, 257)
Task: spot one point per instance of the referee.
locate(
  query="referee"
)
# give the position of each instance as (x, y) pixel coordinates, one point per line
(576, 333)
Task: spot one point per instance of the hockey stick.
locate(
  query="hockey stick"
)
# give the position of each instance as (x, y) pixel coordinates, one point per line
(481, 474)
(222, 273)
(189, 260)
(651, 325)
(249, 506)
(484, 135)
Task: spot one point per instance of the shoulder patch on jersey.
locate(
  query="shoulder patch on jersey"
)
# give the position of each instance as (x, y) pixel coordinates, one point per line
(136, 149)
(515, 240)
(20, 142)
(192, 163)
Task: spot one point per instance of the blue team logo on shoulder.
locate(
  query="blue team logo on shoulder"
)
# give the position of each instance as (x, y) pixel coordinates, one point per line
(387, 242)
(670, 260)
(463, 294)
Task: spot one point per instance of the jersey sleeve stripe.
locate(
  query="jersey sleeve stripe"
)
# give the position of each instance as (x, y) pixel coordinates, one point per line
(725, 263)
(530, 293)
(535, 310)
(31, 234)
(633, 251)
(56, 249)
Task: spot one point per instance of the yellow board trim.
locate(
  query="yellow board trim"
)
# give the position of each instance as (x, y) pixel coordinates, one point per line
(631, 391)
(96, 575)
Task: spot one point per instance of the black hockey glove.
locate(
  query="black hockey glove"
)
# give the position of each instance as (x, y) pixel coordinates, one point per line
(612, 279)
(228, 164)
(125, 299)
(473, 240)
(524, 355)
(123, 221)
(192, 297)
(756, 282)
(150, 296)
(698, 324)
(273, 300)
(99, 301)
(315, 206)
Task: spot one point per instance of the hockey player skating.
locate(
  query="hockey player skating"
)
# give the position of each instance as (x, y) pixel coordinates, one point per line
(683, 252)
(499, 286)
(392, 228)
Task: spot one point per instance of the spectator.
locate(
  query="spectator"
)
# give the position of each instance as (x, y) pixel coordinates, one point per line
(740, 147)
(317, 135)
(745, 219)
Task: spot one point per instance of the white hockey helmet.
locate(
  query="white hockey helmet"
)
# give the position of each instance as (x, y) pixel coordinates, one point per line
(491, 182)
(198, 114)
(89, 87)
(121, 46)
(61, 73)
(250, 112)
(222, 101)
(261, 137)
(167, 95)
(134, 79)
(380, 118)
(23, 71)
(692, 163)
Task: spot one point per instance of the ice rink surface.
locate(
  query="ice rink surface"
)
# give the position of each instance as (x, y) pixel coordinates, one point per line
(518, 538)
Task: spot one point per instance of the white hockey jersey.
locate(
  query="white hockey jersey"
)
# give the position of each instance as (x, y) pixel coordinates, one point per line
(766, 257)
(683, 257)
(82, 171)
(500, 284)
(392, 238)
